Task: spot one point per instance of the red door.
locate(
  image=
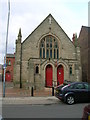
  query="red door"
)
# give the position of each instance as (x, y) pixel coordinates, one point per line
(60, 75)
(49, 75)
(8, 76)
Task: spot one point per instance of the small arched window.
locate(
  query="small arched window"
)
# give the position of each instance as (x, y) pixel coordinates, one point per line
(9, 63)
(49, 48)
(70, 69)
(37, 69)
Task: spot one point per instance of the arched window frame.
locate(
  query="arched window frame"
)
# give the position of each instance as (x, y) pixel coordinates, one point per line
(9, 62)
(37, 69)
(50, 49)
(70, 69)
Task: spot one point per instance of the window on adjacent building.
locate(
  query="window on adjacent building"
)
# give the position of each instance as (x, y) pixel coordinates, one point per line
(49, 47)
(9, 63)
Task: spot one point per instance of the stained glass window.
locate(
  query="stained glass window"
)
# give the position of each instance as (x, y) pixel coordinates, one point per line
(51, 53)
(47, 53)
(43, 52)
(54, 53)
(49, 47)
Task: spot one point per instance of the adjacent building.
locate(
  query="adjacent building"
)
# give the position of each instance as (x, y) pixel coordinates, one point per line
(84, 42)
(47, 57)
(10, 60)
(1, 72)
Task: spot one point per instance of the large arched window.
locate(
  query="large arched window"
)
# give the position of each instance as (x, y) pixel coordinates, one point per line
(49, 48)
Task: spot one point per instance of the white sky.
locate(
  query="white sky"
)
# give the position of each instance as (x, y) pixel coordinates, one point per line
(28, 14)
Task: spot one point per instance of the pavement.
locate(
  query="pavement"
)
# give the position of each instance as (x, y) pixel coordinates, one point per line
(23, 96)
(31, 100)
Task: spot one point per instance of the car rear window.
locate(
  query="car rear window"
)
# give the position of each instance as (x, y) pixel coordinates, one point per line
(86, 86)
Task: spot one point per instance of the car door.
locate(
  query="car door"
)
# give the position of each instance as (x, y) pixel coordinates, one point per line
(87, 90)
(79, 91)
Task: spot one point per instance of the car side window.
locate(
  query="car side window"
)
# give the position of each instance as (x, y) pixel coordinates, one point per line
(86, 86)
(79, 86)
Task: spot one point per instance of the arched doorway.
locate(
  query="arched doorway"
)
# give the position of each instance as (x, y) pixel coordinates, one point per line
(60, 75)
(49, 75)
(8, 76)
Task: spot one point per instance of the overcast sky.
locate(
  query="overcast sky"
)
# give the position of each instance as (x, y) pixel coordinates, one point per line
(28, 14)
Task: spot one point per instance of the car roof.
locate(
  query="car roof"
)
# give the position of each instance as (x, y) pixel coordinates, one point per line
(79, 82)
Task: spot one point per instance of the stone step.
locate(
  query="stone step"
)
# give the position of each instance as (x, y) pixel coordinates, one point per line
(9, 84)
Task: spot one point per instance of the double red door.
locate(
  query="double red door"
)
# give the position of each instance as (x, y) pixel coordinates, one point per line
(49, 76)
(60, 75)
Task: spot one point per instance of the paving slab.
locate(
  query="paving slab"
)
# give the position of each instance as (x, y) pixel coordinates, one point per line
(31, 100)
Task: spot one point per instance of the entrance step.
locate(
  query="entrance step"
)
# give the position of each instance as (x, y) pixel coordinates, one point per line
(9, 84)
(44, 92)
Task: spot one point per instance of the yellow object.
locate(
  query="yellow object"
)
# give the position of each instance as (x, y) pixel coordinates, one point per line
(89, 117)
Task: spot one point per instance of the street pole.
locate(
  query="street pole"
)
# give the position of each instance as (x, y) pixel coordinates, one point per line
(6, 48)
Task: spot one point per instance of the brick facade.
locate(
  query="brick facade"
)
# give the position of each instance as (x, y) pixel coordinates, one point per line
(1, 72)
(10, 59)
(27, 56)
(84, 42)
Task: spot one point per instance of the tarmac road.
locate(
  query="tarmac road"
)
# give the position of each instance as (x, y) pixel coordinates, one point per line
(59, 110)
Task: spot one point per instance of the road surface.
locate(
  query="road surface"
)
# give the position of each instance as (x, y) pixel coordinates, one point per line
(59, 110)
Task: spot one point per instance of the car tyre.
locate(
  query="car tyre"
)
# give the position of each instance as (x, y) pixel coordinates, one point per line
(70, 100)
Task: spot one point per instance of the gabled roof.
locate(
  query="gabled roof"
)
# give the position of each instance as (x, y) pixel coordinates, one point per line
(85, 29)
(10, 55)
(84, 37)
(42, 23)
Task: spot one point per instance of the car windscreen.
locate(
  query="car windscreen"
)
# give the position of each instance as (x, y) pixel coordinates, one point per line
(65, 87)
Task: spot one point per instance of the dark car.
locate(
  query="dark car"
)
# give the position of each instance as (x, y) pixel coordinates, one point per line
(74, 92)
(86, 113)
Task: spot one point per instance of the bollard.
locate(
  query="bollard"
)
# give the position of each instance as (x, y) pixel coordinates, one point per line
(52, 91)
(31, 91)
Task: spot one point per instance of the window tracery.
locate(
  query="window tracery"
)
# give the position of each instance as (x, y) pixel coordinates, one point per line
(49, 48)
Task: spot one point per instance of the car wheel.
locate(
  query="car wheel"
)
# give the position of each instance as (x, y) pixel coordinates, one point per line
(70, 100)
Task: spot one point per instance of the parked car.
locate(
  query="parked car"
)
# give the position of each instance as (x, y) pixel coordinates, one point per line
(86, 113)
(73, 92)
